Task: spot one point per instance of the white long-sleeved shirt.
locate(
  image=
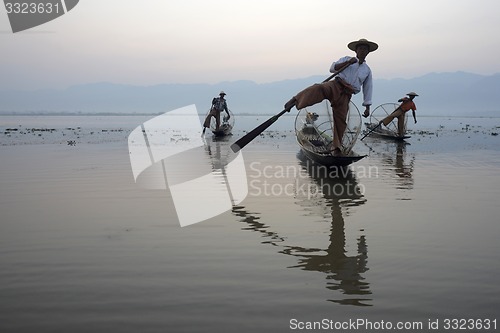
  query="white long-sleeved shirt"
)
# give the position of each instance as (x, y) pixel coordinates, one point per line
(358, 76)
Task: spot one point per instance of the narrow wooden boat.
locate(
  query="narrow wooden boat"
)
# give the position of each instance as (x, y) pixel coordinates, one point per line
(391, 130)
(225, 127)
(385, 133)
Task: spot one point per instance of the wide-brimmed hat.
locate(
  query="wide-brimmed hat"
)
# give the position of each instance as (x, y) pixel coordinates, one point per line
(412, 94)
(222, 93)
(371, 45)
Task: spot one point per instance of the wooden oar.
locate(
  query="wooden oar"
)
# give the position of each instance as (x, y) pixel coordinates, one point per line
(247, 138)
(370, 132)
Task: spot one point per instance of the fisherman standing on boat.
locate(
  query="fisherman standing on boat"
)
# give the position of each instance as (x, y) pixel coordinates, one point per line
(219, 104)
(355, 75)
(407, 104)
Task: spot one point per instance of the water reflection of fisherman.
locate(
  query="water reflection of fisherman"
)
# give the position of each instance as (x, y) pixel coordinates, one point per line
(218, 162)
(219, 104)
(407, 104)
(220, 156)
(402, 168)
(344, 273)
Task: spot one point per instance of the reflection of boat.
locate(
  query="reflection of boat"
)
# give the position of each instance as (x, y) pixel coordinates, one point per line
(391, 130)
(226, 185)
(343, 271)
(226, 125)
(314, 133)
(334, 186)
(396, 160)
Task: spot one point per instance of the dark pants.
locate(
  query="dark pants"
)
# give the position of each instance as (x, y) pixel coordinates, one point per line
(213, 113)
(339, 97)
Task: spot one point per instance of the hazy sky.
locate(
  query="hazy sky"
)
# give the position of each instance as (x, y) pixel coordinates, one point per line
(149, 42)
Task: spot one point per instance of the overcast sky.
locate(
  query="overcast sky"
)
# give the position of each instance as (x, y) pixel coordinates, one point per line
(146, 42)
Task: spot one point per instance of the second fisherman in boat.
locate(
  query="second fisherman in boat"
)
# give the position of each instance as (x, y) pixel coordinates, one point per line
(219, 104)
(355, 75)
(407, 104)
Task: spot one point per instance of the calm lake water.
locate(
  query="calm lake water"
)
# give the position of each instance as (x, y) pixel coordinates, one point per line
(409, 236)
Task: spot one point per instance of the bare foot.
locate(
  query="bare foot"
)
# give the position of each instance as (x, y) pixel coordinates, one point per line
(290, 104)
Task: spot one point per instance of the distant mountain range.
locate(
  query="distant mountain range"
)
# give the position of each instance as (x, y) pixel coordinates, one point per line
(441, 94)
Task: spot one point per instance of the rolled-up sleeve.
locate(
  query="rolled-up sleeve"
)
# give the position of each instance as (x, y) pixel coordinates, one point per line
(368, 90)
(341, 60)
